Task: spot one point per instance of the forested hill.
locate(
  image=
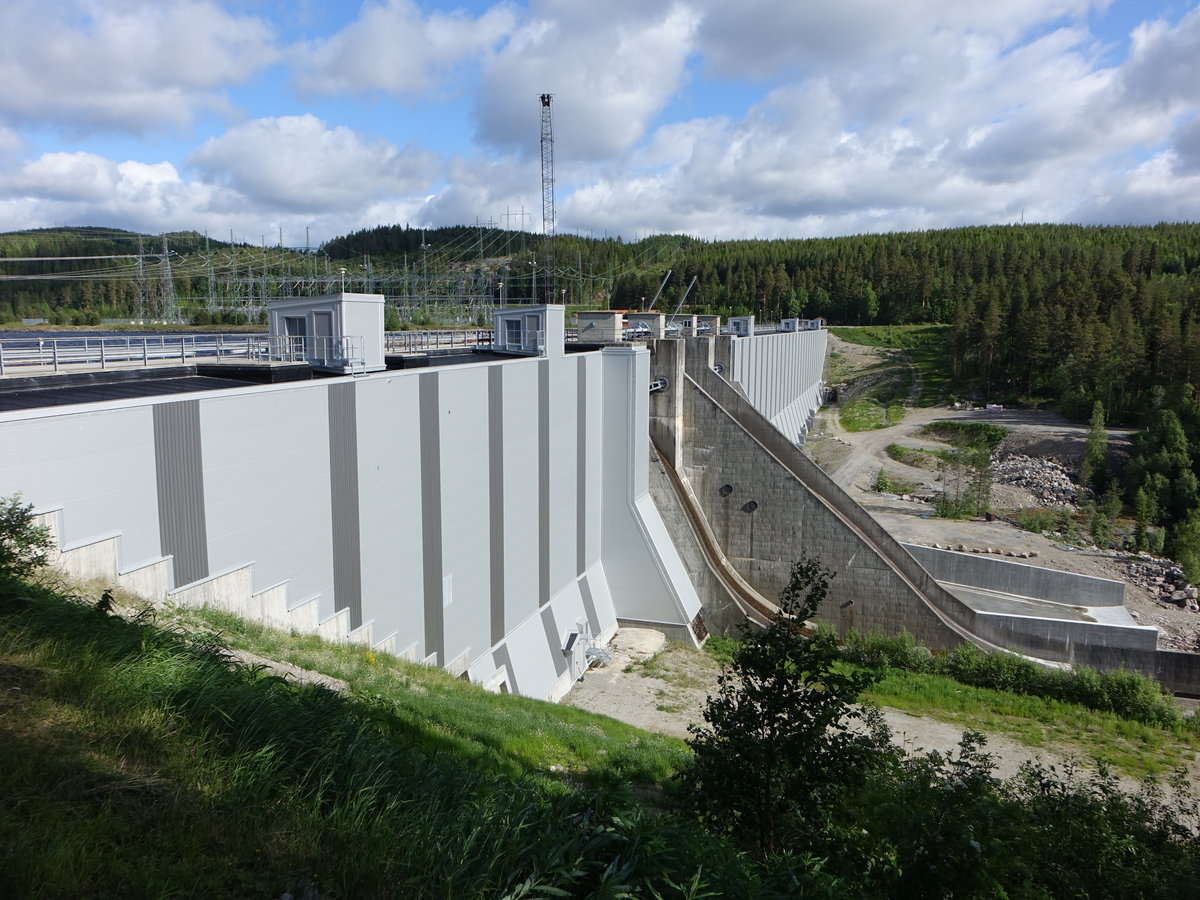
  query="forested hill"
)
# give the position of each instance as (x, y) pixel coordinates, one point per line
(864, 279)
(1065, 312)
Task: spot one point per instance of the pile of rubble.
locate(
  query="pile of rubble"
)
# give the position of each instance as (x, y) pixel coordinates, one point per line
(1164, 579)
(1045, 479)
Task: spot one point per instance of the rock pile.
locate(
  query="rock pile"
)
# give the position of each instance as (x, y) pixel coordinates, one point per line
(1045, 479)
(1166, 580)
(963, 548)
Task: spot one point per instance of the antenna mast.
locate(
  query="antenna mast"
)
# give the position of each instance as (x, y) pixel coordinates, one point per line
(548, 197)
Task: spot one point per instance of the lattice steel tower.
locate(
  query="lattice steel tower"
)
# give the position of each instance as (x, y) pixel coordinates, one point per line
(548, 198)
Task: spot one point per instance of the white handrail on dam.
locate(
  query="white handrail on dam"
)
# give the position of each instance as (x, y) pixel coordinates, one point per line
(81, 352)
(411, 341)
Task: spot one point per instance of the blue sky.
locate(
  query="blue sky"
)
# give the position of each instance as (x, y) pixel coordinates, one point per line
(720, 120)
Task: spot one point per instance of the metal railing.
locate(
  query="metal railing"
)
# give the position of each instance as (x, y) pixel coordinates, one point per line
(83, 353)
(319, 350)
(411, 341)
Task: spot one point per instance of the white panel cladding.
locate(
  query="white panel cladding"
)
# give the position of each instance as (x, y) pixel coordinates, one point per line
(532, 657)
(520, 490)
(646, 578)
(536, 656)
(389, 472)
(564, 466)
(463, 396)
(266, 487)
(602, 600)
(97, 464)
(781, 374)
(593, 398)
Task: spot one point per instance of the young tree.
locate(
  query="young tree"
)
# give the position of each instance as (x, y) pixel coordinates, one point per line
(1093, 469)
(776, 743)
(23, 545)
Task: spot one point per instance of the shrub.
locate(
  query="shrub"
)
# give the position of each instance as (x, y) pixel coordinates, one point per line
(1036, 520)
(892, 484)
(23, 545)
(775, 747)
(1130, 695)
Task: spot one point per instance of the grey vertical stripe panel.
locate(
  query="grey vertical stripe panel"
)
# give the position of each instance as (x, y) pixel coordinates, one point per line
(589, 605)
(431, 514)
(343, 501)
(543, 482)
(496, 496)
(554, 641)
(501, 658)
(581, 473)
(179, 474)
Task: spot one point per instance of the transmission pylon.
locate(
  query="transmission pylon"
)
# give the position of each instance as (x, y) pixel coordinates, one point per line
(548, 197)
(170, 307)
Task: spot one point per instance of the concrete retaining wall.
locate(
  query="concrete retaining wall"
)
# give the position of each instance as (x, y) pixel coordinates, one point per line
(1018, 578)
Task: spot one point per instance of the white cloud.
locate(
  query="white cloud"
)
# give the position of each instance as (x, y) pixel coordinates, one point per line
(763, 38)
(393, 47)
(835, 118)
(611, 67)
(1151, 192)
(10, 142)
(1163, 70)
(298, 163)
(1187, 149)
(85, 188)
(130, 65)
(974, 121)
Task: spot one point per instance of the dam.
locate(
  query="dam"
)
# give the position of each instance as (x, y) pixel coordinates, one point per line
(497, 511)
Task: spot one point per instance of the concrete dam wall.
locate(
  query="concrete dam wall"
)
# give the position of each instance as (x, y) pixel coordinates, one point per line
(473, 517)
(765, 504)
(497, 518)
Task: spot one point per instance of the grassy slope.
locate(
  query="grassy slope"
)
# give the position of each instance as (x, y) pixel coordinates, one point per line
(135, 762)
(1131, 748)
(925, 346)
(505, 733)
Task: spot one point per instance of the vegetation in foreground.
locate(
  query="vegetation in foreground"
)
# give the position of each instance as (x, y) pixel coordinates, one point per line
(138, 760)
(786, 762)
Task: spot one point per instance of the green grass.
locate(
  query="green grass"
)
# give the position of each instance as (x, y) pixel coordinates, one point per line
(1134, 748)
(966, 434)
(917, 457)
(926, 346)
(505, 733)
(892, 484)
(867, 414)
(138, 762)
(1036, 520)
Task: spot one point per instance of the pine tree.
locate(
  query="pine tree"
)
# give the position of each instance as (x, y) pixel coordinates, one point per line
(1093, 469)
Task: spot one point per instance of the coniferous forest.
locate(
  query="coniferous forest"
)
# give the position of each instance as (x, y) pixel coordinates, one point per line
(1060, 313)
